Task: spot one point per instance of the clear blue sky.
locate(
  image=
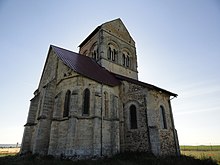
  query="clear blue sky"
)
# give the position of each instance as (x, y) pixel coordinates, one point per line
(178, 48)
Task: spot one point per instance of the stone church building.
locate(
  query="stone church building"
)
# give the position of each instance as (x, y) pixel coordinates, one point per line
(91, 103)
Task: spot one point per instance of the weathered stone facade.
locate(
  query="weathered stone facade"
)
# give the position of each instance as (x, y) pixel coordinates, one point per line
(76, 113)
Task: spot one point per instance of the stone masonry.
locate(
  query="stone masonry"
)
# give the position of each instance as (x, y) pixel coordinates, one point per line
(79, 112)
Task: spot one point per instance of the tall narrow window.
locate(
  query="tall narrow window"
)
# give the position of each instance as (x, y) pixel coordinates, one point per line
(109, 53)
(86, 99)
(163, 122)
(123, 59)
(127, 61)
(133, 117)
(113, 54)
(97, 53)
(94, 51)
(67, 104)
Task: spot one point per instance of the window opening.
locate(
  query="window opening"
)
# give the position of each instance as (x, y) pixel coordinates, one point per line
(163, 122)
(86, 101)
(133, 117)
(123, 59)
(67, 104)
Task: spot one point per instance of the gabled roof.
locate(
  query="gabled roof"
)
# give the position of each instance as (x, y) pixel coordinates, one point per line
(86, 66)
(89, 68)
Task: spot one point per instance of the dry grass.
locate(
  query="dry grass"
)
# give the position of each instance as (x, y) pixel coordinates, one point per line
(215, 155)
(9, 151)
(202, 152)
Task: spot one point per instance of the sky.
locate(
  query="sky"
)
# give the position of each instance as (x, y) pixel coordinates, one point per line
(178, 49)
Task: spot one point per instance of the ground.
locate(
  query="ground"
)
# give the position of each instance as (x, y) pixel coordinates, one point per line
(8, 156)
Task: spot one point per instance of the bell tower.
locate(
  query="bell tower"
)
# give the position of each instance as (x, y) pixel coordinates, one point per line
(111, 46)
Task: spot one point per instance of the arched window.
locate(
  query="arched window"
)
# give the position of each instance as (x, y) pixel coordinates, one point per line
(112, 53)
(67, 104)
(133, 117)
(163, 122)
(123, 59)
(127, 61)
(94, 52)
(97, 53)
(86, 100)
(109, 53)
(106, 101)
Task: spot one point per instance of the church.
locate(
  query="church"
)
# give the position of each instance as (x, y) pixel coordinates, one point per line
(91, 103)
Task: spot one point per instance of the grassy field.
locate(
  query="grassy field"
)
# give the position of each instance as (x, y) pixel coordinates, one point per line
(201, 152)
(200, 148)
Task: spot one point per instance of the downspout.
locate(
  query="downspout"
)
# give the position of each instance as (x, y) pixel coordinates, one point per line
(148, 131)
(174, 130)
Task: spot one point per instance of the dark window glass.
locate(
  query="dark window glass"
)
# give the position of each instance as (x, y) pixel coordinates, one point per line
(133, 117)
(86, 101)
(67, 104)
(97, 54)
(113, 55)
(127, 61)
(163, 122)
(109, 53)
(123, 59)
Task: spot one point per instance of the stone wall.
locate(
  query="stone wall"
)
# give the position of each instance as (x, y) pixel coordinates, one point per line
(117, 65)
(134, 139)
(162, 139)
(149, 136)
(30, 125)
(79, 134)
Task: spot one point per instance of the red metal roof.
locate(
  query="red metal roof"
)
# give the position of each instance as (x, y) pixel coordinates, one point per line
(85, 66)
(89, 68)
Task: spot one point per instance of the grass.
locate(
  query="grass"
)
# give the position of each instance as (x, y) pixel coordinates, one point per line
(200, 148)
(132, 158)
(9, 151)
(201, 152)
